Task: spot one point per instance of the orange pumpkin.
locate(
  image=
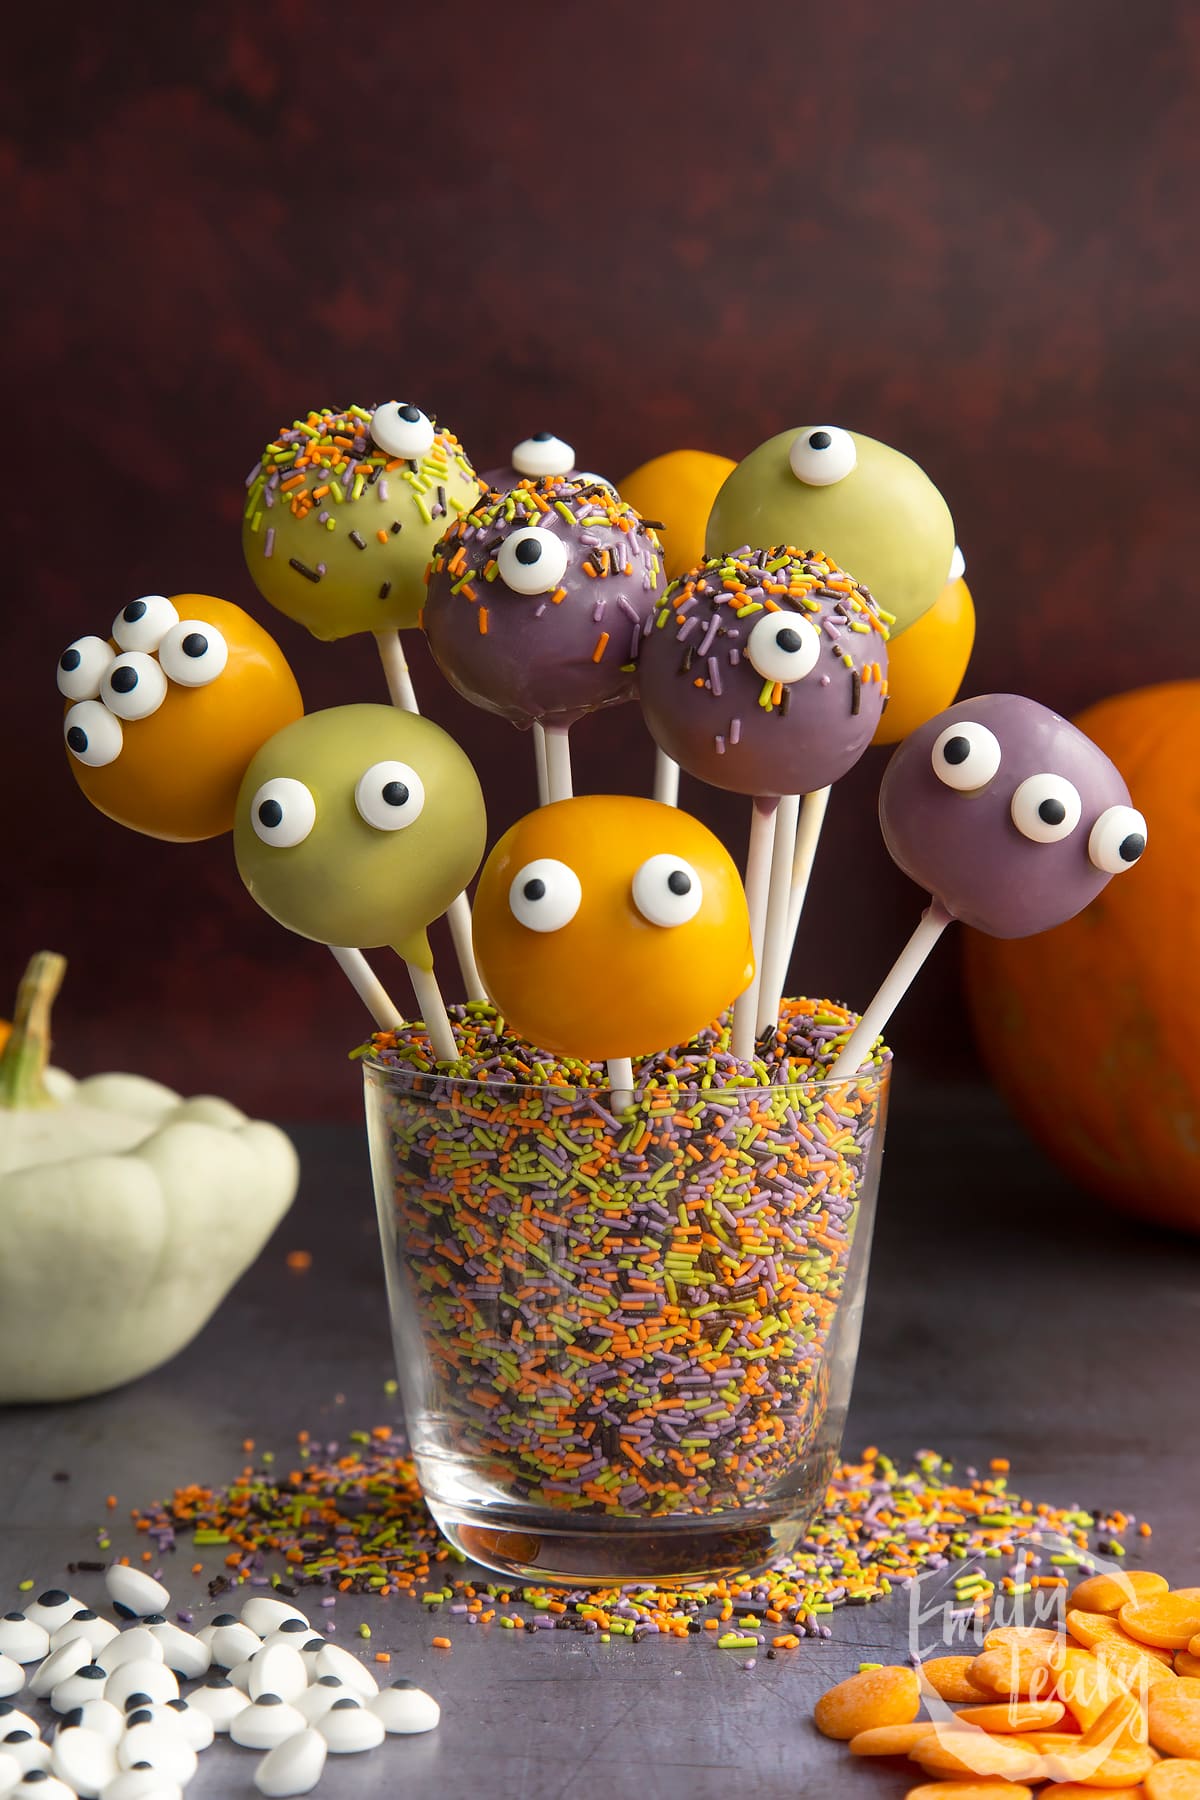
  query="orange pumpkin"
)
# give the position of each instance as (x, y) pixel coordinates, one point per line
(1090, 1031)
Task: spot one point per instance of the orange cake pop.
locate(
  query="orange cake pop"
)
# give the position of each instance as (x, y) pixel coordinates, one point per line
(926, 663)
(164, 715)
(608, 926)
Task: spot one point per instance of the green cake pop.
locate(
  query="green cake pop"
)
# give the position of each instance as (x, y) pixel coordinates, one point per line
(359, 825)
(850, 497)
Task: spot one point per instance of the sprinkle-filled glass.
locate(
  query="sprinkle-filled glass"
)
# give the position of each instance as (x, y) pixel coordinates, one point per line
(625, 1342)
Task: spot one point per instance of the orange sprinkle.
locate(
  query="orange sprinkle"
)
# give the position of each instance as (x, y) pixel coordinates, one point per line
(483, 621)
(601, 646)
(383, 1655)
(441, 1643)
(382, 536)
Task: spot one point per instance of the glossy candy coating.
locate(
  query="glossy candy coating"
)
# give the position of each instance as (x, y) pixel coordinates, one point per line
(926, 663)
(345, 881)
(964, 846)
(678, 489)
(706, 685)
(609, 982)
(360, 523)
(884, 520)
(177, 772)
(554, 652)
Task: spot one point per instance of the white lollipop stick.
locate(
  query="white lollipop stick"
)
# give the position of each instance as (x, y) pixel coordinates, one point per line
(404, 696)
(368, 987)
(558, 763)
(433, 1011)
(666, 779)
(812, 817)
(758, 883)
(620, 1081)
(897, 982)
(539, 757)
(777, 944)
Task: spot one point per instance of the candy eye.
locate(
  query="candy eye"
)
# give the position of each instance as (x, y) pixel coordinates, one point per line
(543, 454)
(134, 686)
(82, 667)
(965, 756)
(667, 890)
(1046, 808)
(1117, 839)
(958, 566)
(401, 429)
(821, 455)
(545, 896)
(283, 812)
(532, 561)
(390, 796)
(193, 653)
(93, 735)
(783, 646)
(144, 623)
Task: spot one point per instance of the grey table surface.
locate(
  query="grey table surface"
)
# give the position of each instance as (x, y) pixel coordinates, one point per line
(1007, 1315)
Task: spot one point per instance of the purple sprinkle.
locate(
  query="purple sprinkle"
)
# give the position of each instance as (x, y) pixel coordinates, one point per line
(269, 541)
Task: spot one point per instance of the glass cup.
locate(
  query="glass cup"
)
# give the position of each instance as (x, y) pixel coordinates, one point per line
(625, 1341)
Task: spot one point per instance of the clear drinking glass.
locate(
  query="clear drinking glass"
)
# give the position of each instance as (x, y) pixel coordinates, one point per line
(625, 1342)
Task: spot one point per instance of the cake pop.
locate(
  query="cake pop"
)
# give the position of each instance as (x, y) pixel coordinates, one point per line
(164, 714)
(853, 498)
(609, 926)
(926, 663)
(359, 825)
(1013, 821)
(536, 604)
(535, 458)
(343, 510)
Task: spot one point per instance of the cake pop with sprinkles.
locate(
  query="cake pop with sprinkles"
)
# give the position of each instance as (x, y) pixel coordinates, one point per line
(163, 714)
(359, 825)
(536, 605)
(608, 926)
(875, 510)
(765, 672)
(342, 512)
(1011, 819)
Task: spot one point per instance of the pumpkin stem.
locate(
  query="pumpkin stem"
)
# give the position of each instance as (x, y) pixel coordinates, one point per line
(27, 1052)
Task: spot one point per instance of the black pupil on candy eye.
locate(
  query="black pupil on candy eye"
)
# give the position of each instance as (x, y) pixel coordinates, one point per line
(124, 680)
(679, 882)
(535, 889)
(1131, 847)
(134, 611)
(1052, 812)
(542, 437)
(789, 639)
(819, 440)
(411, 413)
(529, 551)
(271, 814)
(69, 660)
(77, 739)
(956, 749)
(395, 793)
(194, 644)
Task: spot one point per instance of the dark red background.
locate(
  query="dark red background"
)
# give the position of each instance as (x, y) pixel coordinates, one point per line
(968, 230)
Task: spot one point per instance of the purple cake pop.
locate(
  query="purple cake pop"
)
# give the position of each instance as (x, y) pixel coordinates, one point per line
(537, 600)
(1008, 815)
(765, 672)
(536, 458)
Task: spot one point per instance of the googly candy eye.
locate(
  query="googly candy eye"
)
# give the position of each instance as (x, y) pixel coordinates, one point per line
(545, 895)
(958, 565)
(134, 686)
(783, 646)
(82, 667)
(543, 454)
(822, 454)
(401, 429)
(389, 796)
(965, 756)
(192, 654)
(1046, 808)
(144, 623)
(532, 561)
(283, 812)
(667, 890)
(93, 734)
(1117, 839)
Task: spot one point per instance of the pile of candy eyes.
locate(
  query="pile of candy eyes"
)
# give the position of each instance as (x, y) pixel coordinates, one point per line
(111, 686)
(122, 1728)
